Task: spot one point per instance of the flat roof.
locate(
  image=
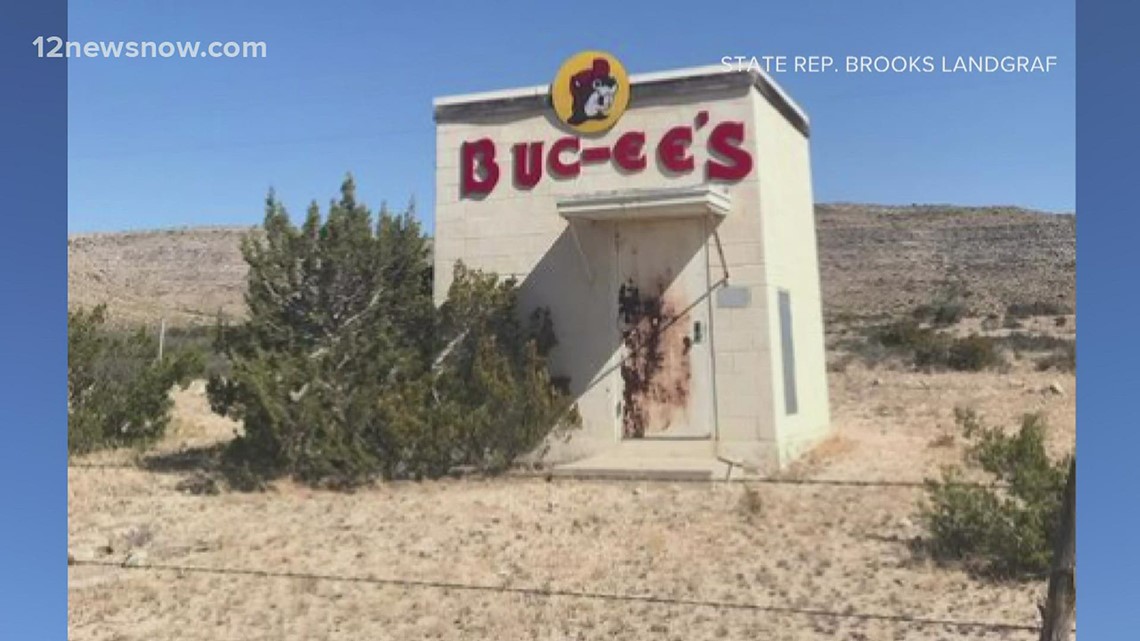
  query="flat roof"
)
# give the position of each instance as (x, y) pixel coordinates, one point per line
(691, 79)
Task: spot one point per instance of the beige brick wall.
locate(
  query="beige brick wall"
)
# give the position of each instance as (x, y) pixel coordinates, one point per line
(768, 240)
(788, 221)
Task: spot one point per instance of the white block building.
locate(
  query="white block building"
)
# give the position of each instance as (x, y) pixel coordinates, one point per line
(676, 251)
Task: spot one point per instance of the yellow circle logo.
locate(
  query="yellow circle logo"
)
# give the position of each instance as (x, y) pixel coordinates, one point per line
(590, 92)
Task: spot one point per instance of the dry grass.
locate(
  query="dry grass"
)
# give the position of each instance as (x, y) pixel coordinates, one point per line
(801, 546)
(831, 548)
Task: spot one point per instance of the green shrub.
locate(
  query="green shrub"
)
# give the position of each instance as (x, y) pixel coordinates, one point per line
(1005, 530)
(943, 314)
(948, 305)
(1037, 308)
(905, 335)
(117, 389)
(340, 312)
(1029, 342)
(929, 349)
(489, 398)
(1061, 353)
(972, 354)
(199, 339)
(346, 371)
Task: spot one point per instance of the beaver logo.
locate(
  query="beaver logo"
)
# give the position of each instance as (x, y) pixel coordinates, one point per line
(590, 92)
(593, 90)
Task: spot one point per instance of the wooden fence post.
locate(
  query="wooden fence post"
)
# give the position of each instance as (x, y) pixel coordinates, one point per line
(1060, 607)
(161, 338)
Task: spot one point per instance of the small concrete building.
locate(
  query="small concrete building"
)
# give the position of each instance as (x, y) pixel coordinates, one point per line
(666, 220)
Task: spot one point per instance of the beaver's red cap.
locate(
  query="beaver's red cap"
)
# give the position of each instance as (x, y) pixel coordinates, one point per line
(600, 68)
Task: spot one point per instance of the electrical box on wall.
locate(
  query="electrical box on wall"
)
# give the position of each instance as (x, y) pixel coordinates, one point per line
(732, 297)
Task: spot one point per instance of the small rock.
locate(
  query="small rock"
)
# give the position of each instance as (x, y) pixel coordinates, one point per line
(1055, 388)
(876, 382)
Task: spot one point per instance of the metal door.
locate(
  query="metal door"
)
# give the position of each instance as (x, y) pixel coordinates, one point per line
(663, 320)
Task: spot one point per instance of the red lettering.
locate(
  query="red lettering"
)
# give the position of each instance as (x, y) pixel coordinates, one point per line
(563, 169)
(729, 158)
(595, 154)
(479, 154)
(528, 164)
(628, 151)
(726, 141)
(673, 149)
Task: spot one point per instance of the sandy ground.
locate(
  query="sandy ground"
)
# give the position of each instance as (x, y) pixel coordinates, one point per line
(803, 547)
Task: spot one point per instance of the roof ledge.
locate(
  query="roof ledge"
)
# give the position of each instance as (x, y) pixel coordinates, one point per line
(647, 204)
(696, 80)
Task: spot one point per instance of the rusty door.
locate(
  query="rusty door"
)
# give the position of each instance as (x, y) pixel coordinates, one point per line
(662, 312)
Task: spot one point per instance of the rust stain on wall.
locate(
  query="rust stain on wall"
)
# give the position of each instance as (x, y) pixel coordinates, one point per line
(656, 371)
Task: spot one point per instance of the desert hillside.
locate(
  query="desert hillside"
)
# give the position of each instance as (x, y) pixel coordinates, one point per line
(883, 260)
(875, 260)
(185, 275)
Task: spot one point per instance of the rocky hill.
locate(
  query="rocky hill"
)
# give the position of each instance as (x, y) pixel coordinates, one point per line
(884, 260)
(875, 260)
(185, 275)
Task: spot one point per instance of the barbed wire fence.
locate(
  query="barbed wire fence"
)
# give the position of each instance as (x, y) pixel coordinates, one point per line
(556, 592)
(962, 626)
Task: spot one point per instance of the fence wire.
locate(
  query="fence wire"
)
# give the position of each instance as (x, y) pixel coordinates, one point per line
(555, 592)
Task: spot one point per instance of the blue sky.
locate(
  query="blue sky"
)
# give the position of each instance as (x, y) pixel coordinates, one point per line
(347, 86)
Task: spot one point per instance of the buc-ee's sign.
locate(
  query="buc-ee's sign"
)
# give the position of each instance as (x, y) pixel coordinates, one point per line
(589, 94)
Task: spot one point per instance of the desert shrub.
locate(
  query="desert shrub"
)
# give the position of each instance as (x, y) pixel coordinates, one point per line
(948, 305)
(345, 370)
(930, 349)
(1029, 342)
(489, 397)
(904, 334)
(866, 349)
(972, 354)
(199, 339)
(839, 364)
(943, 313)
(117, 389)
(1062, 360)
(1037, 308)
(1006, 529)
(340, 311)
(750, 504)
(1061, 353)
